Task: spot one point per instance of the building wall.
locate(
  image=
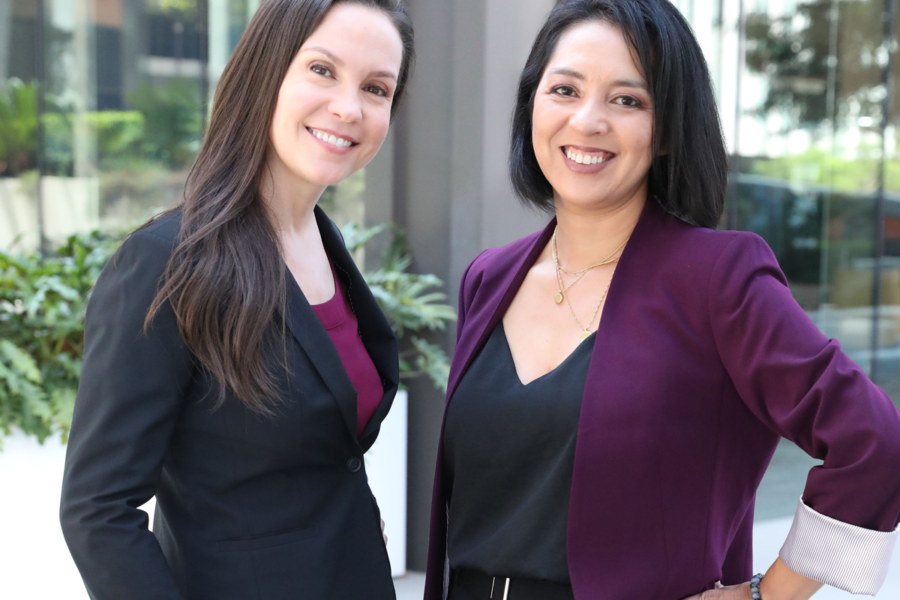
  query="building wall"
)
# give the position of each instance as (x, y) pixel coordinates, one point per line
(451, 191)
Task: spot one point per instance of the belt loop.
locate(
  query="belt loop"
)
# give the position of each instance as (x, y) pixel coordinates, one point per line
(506, 589)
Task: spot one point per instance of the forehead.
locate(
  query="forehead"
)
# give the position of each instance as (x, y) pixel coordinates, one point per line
(359, 33)
(596, 49)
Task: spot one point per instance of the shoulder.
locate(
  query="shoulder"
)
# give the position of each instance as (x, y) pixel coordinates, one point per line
(498, 260)
(157, 236)
(706, 250)
(145, 252)
(164, 226)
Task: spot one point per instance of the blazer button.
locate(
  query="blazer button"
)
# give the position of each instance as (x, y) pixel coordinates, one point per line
(354, 464)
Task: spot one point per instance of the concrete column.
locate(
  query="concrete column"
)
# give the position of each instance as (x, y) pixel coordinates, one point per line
(219, 47)
(449, 187)
(84, 82)
(133, 45)
(5, 36)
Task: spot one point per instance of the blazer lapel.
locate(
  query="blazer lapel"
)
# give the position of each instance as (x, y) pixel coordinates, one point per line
(376, 332)
(498, 289)
(309, 332)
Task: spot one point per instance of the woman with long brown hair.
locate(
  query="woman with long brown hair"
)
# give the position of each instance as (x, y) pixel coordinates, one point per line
(236, 365)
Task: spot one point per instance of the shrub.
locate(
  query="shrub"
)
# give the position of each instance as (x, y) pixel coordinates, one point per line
(42, 303)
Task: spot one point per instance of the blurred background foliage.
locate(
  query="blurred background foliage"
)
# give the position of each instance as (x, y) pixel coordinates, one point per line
(43, 300)
(162, 130)
(413, 304)
(42, 304)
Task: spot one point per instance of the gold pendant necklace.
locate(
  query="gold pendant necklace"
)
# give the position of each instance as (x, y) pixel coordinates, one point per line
(558, 298)
(585, 330)
(561, 290)
(609, 259)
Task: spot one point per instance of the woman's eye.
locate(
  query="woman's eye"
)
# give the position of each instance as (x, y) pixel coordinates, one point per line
(320, 70)
(563, 90)
(628, 101)
(377, 90)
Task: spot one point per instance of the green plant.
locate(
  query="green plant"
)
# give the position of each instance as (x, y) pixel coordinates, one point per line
(118, 135)
(18, 126)
(172, 120)
(43, 300)
(410, 301)
(42, 303)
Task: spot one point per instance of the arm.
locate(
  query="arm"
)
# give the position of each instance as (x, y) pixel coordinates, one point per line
(128, 401)
(803, 387)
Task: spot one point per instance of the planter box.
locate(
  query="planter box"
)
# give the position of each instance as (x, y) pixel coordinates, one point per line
(386, 467)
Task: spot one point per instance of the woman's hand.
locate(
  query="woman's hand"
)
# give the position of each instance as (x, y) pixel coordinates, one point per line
(732, 592)
(382, 532)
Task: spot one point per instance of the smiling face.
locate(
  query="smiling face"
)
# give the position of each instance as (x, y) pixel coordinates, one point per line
(334, 104)
(592, 122)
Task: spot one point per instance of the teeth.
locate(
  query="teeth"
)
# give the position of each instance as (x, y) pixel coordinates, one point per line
(584, 159)
(331, 139)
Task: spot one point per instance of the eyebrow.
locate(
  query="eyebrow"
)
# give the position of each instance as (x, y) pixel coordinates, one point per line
(341, 63)
(632, 83)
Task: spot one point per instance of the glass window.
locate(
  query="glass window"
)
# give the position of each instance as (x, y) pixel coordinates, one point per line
(103, 105)
(803, 88)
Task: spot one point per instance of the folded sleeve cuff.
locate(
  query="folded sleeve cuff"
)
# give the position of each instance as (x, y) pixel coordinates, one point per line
(838, 554)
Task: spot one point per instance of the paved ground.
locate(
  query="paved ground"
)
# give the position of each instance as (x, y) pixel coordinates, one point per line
(35, 564)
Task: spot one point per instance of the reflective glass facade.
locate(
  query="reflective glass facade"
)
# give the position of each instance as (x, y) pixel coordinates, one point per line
(810, 103)
(103, 105)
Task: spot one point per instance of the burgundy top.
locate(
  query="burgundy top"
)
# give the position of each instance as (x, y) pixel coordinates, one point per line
(339, 321)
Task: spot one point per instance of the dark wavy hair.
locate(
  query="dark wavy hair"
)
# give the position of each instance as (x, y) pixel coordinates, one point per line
(689, 179)
(225, 279)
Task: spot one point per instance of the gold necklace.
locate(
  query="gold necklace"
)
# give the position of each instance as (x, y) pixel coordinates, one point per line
(585, 331)
(555, 253)
(558, 298)
(560, 290)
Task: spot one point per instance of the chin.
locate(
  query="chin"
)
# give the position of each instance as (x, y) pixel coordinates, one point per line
(325, 176)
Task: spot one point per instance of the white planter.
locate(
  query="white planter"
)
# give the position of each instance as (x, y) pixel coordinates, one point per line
(386, 467)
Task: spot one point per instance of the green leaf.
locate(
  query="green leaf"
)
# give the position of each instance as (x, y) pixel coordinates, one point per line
(21, 361)
(355, 237)
(433, 361)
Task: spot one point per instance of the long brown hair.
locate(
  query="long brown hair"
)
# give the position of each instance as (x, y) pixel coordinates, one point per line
(225, 278)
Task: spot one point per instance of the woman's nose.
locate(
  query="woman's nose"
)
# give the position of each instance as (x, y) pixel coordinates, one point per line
(591, 118)
(346, 106)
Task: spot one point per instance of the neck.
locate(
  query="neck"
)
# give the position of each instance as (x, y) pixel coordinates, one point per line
(584, 237)
(289, 198)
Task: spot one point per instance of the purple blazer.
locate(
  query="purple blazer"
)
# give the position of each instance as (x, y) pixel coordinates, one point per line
(702, 361)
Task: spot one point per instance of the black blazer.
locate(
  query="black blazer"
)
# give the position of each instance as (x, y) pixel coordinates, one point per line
(248, 508)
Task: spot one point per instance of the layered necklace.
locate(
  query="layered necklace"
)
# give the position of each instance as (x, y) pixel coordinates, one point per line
(562, 291)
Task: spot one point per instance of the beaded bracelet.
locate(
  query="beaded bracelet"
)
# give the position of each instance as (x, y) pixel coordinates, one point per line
(754, 586)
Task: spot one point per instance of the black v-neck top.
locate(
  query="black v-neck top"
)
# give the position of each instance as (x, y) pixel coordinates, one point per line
(509, 451)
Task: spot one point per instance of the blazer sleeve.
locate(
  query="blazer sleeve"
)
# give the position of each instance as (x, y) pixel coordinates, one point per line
(129, 397)
(801, 385)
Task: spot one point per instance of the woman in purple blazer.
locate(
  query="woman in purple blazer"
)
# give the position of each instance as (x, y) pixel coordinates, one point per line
(622, 378)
